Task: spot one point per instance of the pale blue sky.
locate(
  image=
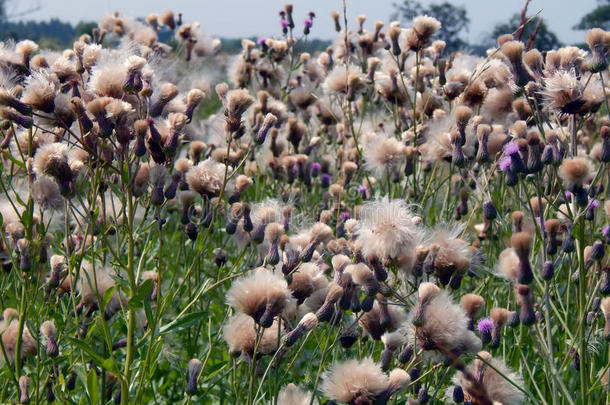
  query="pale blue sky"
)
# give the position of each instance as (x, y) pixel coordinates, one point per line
(244, 18)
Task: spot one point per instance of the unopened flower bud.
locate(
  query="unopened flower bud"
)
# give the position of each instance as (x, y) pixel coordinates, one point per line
(23, 246)
(307, 323)
(406, 354)
(367, 303)
(49, 394)
(522, 243)
(191, 231)
(24, 386)
(394, 34)
(348, 337)
(220, 256)
(261, 134)
(326, 311)
(194, 368)
(47, 329)
(605, 307)
(548, 270)
(597, 250)
(422, 395)
(248, 225)
(489, 210)
(604, 286)
(335, 16)
(527, 315)
(16, 117)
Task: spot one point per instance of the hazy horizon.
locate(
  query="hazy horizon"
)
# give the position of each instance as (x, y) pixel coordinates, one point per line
(243, 18)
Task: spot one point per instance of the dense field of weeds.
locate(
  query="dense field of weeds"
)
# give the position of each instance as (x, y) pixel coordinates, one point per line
(378, 223)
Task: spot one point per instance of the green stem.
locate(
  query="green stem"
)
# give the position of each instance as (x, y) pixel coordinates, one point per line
(22, 314)
(131, 321)
(582, 290)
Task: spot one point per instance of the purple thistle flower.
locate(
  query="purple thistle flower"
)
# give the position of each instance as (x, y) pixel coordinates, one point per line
(504, 163)
(363, 191)
(308, 23)
(511, 148)
(314, 168)
(325, 180)
(285, 24)
(591, 207)
(344, 216)
(485, 325)
(261, 41)
(593, 204)
(569, 196)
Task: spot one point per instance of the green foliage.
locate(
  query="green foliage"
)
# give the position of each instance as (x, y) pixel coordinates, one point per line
(597, 18)
(209, 106)
(84, 27)
(54, 33)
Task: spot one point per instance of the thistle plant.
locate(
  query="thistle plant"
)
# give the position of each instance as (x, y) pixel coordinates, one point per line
(379, 222)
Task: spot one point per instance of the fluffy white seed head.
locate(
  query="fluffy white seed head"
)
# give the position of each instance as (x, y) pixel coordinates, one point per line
(428, 291)
(386, 228)
(206, 178)
(575, 171)
(240, 334)
(393, 340)
(399, 379)
(249, 294)
(345, 381)
(444, 327)
(293, 395)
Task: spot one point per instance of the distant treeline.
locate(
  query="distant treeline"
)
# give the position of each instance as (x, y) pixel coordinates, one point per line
(49, 34)
(57, 34)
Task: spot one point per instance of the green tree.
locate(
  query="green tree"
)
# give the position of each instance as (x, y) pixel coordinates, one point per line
(545, 38)
(454, 19)
(56, 32)
(599, 17)
(84, 27)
